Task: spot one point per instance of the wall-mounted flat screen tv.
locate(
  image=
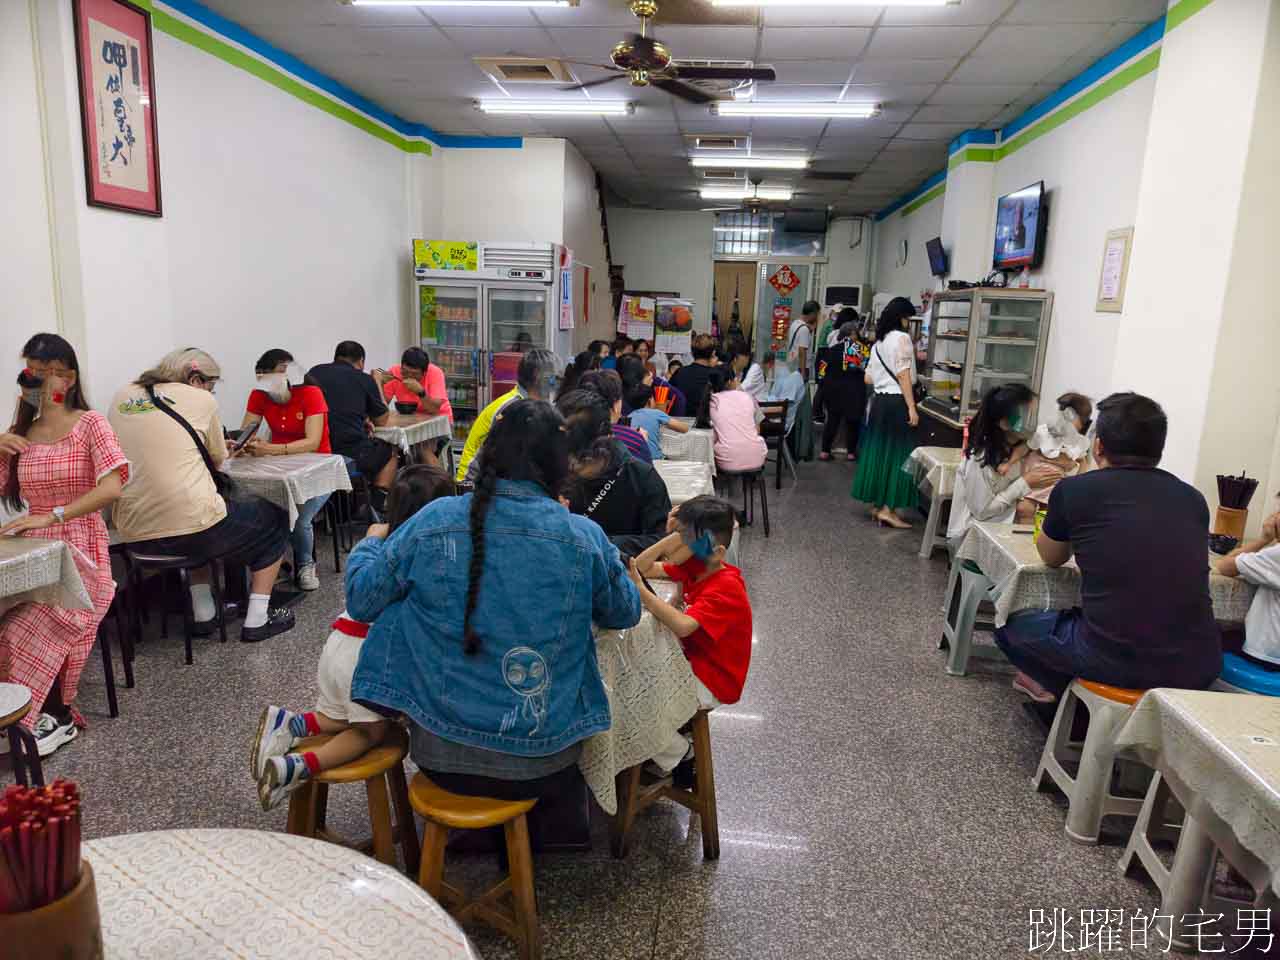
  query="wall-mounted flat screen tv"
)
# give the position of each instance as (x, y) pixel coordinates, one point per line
(1021, 219)
(937, 257)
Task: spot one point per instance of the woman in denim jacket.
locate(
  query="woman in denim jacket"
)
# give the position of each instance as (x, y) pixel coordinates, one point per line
(482, 608)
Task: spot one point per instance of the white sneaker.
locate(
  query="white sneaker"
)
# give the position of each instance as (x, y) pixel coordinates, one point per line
(280, 777)
(51, 734)
(308, 579)
(273, 739)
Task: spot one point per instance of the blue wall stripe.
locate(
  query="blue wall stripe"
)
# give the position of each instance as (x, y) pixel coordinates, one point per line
(971, 136)
(238, 34)
(937, 178)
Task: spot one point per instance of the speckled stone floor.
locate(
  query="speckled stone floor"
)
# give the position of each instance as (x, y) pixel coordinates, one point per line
(870, 805)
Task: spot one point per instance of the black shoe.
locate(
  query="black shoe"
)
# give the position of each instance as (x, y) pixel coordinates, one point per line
(205, 628)
(684, 776)
(279, 620)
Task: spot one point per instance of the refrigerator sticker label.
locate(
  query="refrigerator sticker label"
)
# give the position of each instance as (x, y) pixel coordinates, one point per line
(427, 313)
(566, 299)
(446, 255)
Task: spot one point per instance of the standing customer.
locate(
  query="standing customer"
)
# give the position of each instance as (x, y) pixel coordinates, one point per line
(167, 422)
(800, 340)
(844, 392)
(890, 436)
(1138, 535)
(482, 607)
(299, 420)
(63, 460)
(537, 378)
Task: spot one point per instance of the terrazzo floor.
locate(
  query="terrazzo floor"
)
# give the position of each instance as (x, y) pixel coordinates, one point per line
(870, 805)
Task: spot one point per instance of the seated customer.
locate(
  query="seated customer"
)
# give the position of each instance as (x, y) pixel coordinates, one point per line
(277, 767)
(416, 381)
(1139, 535)
(735, 416)
(355, 407)
(647, 417)
(1258, 562)
(608, 384)
(299, 420)
(622, 494)
(482, 609)
(537, 378)
(715, 625)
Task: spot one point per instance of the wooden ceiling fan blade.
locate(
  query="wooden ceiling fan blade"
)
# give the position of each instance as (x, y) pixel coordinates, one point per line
(597, 83)
(726, 73)
(683, 91)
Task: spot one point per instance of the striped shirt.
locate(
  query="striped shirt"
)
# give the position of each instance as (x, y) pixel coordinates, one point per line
(634, 441)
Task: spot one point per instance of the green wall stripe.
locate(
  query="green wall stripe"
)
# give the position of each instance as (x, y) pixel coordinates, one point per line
(971, 154)
(920, 201)
(1183, 12)
(198, 38)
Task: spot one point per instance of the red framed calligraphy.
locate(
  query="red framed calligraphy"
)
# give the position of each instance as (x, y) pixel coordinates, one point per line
(117, 105)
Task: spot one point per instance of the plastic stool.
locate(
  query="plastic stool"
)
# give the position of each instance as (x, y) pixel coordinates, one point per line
(444, 811)
(1243, 676)
(1089, 796)
(966, 590)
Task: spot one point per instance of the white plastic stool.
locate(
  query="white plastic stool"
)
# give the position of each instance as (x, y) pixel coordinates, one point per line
(1089, 796)
(966, 589)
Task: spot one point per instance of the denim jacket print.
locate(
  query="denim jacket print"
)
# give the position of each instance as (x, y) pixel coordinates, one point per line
(534, 687)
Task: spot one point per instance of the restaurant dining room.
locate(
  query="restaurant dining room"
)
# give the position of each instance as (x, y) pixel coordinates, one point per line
(639, 479)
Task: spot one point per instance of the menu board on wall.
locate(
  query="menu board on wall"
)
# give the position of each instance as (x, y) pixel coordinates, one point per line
(674, 320)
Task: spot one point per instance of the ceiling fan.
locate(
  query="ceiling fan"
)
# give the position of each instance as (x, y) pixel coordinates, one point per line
(645, 60)
(753, 203)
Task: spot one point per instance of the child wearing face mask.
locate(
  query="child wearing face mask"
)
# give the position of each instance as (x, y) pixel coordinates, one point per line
(715, 625)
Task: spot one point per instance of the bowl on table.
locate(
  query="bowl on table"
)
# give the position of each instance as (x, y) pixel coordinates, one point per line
(406, 408)
(1222, 544)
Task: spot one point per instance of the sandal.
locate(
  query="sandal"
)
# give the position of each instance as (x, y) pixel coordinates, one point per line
(824, 455)
(852, 458)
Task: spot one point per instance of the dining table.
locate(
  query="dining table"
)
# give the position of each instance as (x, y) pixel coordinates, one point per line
(249, 894)
(290, 480)
(1006, 554)
(694, 444)
(407, 430)
(685, 479)
(652, 694)
(41, 570)
(934, 470)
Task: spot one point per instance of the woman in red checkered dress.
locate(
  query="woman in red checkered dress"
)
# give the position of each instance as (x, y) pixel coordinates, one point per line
(63, 460)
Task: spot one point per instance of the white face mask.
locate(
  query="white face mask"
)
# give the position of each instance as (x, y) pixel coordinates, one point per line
(276, 386)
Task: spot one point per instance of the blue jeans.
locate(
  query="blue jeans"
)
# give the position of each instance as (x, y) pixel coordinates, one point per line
(303, 536)
(1047, 647)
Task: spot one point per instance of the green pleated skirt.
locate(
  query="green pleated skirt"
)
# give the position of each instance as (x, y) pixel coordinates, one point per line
(886, 443)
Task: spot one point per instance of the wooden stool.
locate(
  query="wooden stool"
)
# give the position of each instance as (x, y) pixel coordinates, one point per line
(444, 811)
(1089, 796)
(634, 797)
(15, 703)
(382, 771)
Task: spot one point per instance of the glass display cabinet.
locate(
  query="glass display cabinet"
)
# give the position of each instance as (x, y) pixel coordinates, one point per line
(981, 338)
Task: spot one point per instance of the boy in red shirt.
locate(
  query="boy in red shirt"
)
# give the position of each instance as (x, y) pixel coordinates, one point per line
(715, 626)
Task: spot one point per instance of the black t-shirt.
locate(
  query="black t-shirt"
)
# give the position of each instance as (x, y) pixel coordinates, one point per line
(691, 380)
(630, 499)
(352, 395)
(1140, 537)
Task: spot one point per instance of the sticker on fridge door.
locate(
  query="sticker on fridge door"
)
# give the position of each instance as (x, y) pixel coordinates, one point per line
(785, 280)
(566, 299)
(446, 255)
(427, 314)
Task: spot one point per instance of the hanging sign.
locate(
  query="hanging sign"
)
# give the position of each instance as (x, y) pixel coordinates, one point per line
(781, 317)
(446, 255)
(785, 280)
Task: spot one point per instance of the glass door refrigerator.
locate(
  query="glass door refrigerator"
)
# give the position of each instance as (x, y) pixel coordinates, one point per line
(449, 323)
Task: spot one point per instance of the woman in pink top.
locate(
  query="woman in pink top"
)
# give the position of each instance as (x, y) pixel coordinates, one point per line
(735, 416)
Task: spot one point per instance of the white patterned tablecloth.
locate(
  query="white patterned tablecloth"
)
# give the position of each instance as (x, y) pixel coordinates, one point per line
(936, 466)
(408, 431)
(696, 444)
(1023, 582)
(199, 894)
(1223, 751)
(36, 570)
(652, 694)
(685, 479)
(290, 481)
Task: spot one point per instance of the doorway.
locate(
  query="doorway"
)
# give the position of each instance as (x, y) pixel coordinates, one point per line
(735, 295)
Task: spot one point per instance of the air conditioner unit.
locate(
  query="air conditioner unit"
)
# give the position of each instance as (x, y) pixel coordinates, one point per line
(856, 295)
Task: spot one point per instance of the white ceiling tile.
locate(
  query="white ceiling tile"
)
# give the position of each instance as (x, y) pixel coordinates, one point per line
(588, 13)
(708, 43)
(980, 13)
(889, 94)
(768, 143)
(829, 43)
(810, 71)
(1098, 11)
(799, 93)
(923, 43)
(292, 13)
(500, 41)
(847, 129)
(647, 119)
(571, 127)
(586, 43)
(945, 132)
(997, 94)
(967, 114)
(786, 127)
(824, 16)
(1005, 116)
(903, 71)
(463, 16)
(1010, 69)
(1055, 42)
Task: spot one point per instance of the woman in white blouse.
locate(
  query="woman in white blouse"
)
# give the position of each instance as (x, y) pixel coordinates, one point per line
(890, 434)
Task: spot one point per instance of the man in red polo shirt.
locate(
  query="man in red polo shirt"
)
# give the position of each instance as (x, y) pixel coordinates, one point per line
(418, 381)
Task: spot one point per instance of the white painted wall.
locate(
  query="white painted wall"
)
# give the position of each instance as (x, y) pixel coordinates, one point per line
(920, 225)
(846, 263)
(583, 235)
(666, 250)
(505, 194)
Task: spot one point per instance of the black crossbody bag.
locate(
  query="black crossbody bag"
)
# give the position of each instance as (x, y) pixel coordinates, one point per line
(918, 390)
(223, 483)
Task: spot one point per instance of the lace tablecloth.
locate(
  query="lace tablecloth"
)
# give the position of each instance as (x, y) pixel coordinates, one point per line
(685, 479)
(200, 894)
(36, 570)
(1023, 582)
(652, 694)
(408, 431)
(937, 466)
(694, 445)
(1224, 748)
(291, 480)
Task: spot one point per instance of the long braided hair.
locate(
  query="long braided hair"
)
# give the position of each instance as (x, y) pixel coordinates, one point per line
(527, 442)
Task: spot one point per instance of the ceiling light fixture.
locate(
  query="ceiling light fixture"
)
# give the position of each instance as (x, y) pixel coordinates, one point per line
(742, 193)
(530, 108)
(751, 163)
(460, 3)
(752, 231)
(834, 3)
(769, 108)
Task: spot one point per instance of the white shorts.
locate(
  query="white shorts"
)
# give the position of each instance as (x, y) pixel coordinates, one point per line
(333, 677)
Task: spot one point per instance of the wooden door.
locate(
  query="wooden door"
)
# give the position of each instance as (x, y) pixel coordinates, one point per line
(736, 281)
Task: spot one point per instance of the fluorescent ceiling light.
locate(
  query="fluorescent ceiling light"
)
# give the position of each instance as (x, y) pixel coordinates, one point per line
(771, 108)
(754, 231)
(834, 3)
(751, 163)
(460, 3)
(529, 108)
(742, 193)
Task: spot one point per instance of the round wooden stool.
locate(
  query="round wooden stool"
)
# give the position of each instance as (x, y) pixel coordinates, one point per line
(381, 769)
(24, 753)
(444, 811)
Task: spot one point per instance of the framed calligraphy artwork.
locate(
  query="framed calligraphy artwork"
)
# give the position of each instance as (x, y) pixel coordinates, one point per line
(117, 105)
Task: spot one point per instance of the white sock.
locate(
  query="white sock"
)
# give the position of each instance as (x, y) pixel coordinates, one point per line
(256, 616)
(202, 602)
